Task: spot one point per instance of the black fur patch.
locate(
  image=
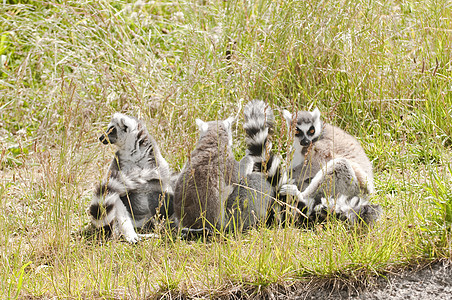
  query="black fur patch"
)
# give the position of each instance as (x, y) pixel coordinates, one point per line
(110, 137)
(252, 131)
(141, 137)
(257, 149)
(98, 211)
(264, 167)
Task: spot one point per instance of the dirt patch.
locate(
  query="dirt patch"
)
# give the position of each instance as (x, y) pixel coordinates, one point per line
(428, 283)
(432, 282)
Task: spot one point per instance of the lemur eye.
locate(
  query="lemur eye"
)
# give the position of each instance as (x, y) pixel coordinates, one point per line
(110, 129)
(297, 132)
(311, 130)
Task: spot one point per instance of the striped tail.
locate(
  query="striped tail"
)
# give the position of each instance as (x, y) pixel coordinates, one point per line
(355, 210)
(259, 121)
(109, 191)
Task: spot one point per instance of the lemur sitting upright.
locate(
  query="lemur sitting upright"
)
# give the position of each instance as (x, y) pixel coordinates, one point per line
(137, 186)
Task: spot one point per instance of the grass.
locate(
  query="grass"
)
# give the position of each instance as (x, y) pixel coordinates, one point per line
(380, 70)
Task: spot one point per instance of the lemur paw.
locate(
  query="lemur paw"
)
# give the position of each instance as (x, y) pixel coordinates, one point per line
(289, 189)
(132, 238)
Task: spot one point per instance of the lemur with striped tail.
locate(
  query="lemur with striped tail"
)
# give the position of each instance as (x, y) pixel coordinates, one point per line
(214, 191)
(345, 178)
(137, 187)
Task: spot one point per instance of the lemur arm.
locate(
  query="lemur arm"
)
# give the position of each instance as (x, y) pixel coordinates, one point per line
(292, 189)
(125, 223)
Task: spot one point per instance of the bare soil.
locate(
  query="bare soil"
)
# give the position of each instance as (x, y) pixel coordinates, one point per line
(431, 282)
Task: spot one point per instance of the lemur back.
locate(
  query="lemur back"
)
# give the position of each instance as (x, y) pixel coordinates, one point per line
(206, 179)
(240, 195)
(137, 187)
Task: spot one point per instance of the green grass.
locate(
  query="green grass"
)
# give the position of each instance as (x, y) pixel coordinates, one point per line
(381, 70)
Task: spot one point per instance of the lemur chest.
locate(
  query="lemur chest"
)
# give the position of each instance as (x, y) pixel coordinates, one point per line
(298, 159)
(133, 162)
(319, 151)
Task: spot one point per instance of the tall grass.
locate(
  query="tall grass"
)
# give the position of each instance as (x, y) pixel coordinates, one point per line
(379, 69)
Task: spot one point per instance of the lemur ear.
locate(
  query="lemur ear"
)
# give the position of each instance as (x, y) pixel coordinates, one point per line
(203, 126)
(123, 123)
(288, 116)
(316, 113)
(228, 122)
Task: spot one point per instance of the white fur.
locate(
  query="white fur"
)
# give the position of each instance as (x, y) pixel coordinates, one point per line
(228, 124)
(125, 223)
(202, 126)
(316, 113)
(125, 121)
(298, 157)
(289, 118)
(317, 123)
(274, 167)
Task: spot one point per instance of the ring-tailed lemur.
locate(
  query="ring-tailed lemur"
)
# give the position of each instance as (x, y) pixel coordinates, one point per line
(207, 178)
(137, 187)
(214, 191)
(252, 200)
(345, 177)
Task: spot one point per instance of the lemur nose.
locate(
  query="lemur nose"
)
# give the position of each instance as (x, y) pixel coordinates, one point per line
(305, 142)
(103, 139)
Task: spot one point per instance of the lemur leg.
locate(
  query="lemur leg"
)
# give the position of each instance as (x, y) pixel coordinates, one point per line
(342, 171)
(365, 182)
(292, 189)
(125, 223)
(334, 167)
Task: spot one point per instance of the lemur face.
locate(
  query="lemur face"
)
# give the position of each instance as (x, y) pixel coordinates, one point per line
(119, 130)
(308, 126)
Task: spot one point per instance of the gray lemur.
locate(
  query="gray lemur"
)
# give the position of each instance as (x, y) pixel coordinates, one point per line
(343, 177)
(214, 191)
(207, 178)
(137, 187)
(252, 200)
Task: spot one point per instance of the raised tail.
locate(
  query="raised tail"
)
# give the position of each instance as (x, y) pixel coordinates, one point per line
(259, 121)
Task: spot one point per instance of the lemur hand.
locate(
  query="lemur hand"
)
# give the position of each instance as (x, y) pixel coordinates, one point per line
(289, 189)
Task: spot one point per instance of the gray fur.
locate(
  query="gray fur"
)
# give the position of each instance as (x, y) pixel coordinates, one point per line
(206, 180)
(137, 182)
(249, 203)
(214, 191)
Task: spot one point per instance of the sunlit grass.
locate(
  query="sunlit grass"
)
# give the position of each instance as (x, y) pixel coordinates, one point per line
(380, 70)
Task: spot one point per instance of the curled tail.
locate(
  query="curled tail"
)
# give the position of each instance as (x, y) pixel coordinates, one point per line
(355, 210)
(259, 121)
(110, 190)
